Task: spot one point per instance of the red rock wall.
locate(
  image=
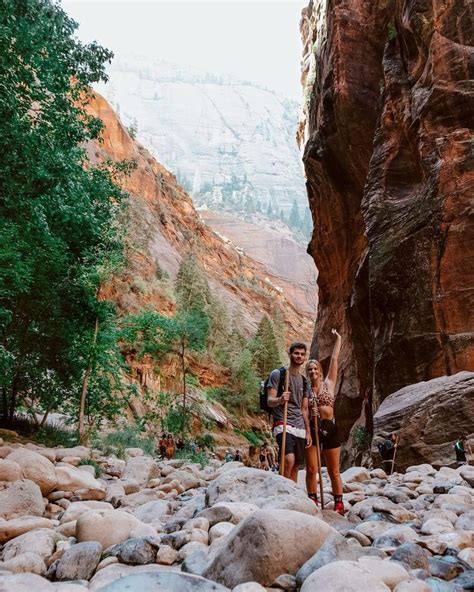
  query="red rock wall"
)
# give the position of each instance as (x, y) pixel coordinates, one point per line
(388, 153)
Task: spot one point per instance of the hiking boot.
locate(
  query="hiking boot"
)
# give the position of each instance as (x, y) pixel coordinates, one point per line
(314, 497)
(339, 507)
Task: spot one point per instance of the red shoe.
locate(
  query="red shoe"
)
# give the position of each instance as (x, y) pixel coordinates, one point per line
(339, 507)
(313, 497)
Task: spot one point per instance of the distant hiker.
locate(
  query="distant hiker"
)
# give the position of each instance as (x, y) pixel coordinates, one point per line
(322, 406)
(162, 446)
(298, 434)
(238, 456)
(263, 457)
(228, 457)
(461, 458)
(387, 451)
(169, 446)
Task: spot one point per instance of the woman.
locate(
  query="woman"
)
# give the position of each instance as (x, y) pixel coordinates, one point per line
(322, 406)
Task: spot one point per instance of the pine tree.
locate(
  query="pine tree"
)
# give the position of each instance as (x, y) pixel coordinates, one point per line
(294, 220)
(191, 287)
(265, 348)
(279, 328)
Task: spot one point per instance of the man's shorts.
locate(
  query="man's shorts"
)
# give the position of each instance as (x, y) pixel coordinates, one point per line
(328, 434)
(293, 445)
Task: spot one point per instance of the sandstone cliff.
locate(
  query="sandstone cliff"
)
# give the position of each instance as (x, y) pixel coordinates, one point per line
(387, 138)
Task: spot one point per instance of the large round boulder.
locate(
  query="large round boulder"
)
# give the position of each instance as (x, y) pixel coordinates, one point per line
(349, 576)
(262, 488)
(21, 498)
(110, 527)
(265, 545)
(36, 468)
(73, 479)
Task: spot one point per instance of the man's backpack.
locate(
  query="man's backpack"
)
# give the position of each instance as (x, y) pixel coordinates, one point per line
(264, 406)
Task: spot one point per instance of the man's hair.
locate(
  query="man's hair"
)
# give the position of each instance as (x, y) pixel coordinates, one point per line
(297, 345)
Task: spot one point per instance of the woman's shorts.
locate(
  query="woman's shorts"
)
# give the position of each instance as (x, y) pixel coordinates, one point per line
(328, 434)
(293, 445)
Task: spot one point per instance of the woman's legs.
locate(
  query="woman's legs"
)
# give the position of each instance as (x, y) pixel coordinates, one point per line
(311, 469)
(331, 457)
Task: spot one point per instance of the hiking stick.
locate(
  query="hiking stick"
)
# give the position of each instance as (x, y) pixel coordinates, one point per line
(393, 459)
(283, 436)
(318, 453)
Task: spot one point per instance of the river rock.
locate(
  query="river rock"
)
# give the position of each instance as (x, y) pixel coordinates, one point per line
(239, 510)
(412, 585)
(71, 478)
(355, 475)
(465, 522)
(153, 511)
(140, 551)
(220, 530)
(216, 514)
(412, 555)
(9, 529)
(166, 555)
(141, 469)
(390, 572)
(79, 562)
(262, 488)
(467, 555)
(110, 527)
(26, 562)
(334, 548)
(76, 509)
(9, 470)
(78, 451)
(436, 526)
(36, 468)
(21, 498)
(349, 576)
(184, 478)
(165, 581)
(42, 542)
(288, 537)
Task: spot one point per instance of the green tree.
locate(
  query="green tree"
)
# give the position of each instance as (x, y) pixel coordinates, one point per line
(58, 211)
(265, 348)
(279, 329)
(191, 286)
(243, 385)
(294, 219)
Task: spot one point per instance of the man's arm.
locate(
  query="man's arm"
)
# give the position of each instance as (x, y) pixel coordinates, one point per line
(274, 400)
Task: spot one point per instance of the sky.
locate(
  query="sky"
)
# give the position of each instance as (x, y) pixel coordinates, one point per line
(255, 40)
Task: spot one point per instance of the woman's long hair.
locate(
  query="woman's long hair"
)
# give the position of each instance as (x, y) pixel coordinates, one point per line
(314, 363)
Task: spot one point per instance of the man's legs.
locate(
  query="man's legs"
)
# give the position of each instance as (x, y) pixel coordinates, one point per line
(311, 469)
(290, 466)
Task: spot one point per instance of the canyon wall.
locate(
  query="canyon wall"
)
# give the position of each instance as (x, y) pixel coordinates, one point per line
(387, 143)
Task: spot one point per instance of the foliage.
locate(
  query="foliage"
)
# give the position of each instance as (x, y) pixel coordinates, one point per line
(361, 437)
(265, 348)
(59, 212)
(391, 31)
(200, 457)
(175, 421)
(254, 438)
(92, 463)
(128, 437)
(206, 441)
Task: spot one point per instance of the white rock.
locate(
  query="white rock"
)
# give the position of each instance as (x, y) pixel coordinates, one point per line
(467, 555)
(76, 509)
(42, 542)
(348, 576)
(221, 529)
(166, 555)
(249, 587)
(26, 562)
(9, 529)
(436, 526)
(10, 470)
(109, 527)
(355, 474)
(240, 510)
(423, 468)
(79, 451)
(72, 479)
(133, 452)
(390, 572)
(21, 498)
(141, 469)
(412, 585)
(153, 511)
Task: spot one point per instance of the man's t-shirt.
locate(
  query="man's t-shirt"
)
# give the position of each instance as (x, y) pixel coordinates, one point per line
(295, 385)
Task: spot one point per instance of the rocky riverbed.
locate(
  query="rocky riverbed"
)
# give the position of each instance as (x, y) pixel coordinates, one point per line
(155, 526)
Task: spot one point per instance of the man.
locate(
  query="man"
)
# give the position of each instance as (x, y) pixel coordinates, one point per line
(461, 458)
(298, 434)
(387, 451)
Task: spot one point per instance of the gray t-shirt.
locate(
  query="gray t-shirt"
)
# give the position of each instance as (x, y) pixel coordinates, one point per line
(295, 415)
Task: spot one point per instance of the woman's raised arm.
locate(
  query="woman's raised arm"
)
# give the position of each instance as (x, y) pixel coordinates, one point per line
(332, 374)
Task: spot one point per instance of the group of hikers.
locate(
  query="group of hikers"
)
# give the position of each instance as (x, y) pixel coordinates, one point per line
(301, 401)
(168, 445)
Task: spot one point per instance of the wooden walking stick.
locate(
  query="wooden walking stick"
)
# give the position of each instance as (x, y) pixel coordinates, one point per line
(283, 435)
(394, 455)
(318, 453)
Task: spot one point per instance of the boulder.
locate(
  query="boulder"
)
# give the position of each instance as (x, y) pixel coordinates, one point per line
(262, 488)
(185, 479)
(26, 582)
(10, 470)
(71, 478)
(139, 551)
(288, 537)
(26, 562)
(78, 451)
(334, 548)
(134, 500)
(413, 585)
(412, 555)
(163, 581)
(36, 468)
(79, 562)
(219, 530)
(389, 572)
(153, 511)
(110, 527)
(355, 475)
(10, 529)
(21, 498)
(76, 509)
(349, 576)
(42, 542)
(141, 469)
(239, 511)
(166, 555)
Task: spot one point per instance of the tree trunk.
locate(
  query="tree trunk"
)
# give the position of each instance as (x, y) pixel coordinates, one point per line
(183, 367)
(85, 383)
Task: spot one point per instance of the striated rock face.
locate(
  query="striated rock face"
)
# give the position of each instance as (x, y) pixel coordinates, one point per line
(164, 226)
(388, 153)
(428, 417)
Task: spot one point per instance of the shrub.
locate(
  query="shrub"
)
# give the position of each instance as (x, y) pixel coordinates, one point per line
(93, 463)
(128, 437)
